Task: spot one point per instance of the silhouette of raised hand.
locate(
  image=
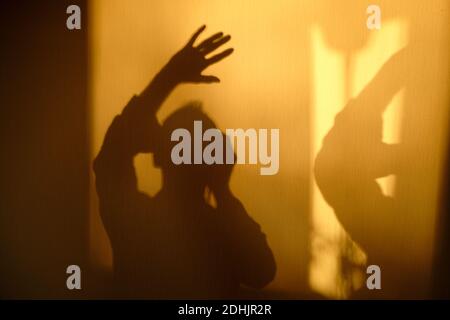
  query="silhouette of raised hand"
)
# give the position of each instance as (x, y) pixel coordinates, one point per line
(188, 64)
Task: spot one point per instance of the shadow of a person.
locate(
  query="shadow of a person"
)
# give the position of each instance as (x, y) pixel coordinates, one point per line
(176, 245)
(353, 155)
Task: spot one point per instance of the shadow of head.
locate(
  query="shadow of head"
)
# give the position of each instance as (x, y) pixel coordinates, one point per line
(193, 176)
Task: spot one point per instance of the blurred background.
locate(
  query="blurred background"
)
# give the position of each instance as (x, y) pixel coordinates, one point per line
(296, 66)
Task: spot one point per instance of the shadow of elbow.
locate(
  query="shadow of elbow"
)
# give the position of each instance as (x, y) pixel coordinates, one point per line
(262, 275)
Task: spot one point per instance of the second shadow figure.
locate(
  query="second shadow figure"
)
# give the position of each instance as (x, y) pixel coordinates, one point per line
(175, 245)
(352, 157)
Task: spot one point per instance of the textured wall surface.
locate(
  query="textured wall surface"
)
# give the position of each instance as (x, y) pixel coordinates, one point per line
(372, 195)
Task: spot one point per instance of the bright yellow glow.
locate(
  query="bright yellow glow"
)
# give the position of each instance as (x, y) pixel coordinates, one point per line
(328, 74)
